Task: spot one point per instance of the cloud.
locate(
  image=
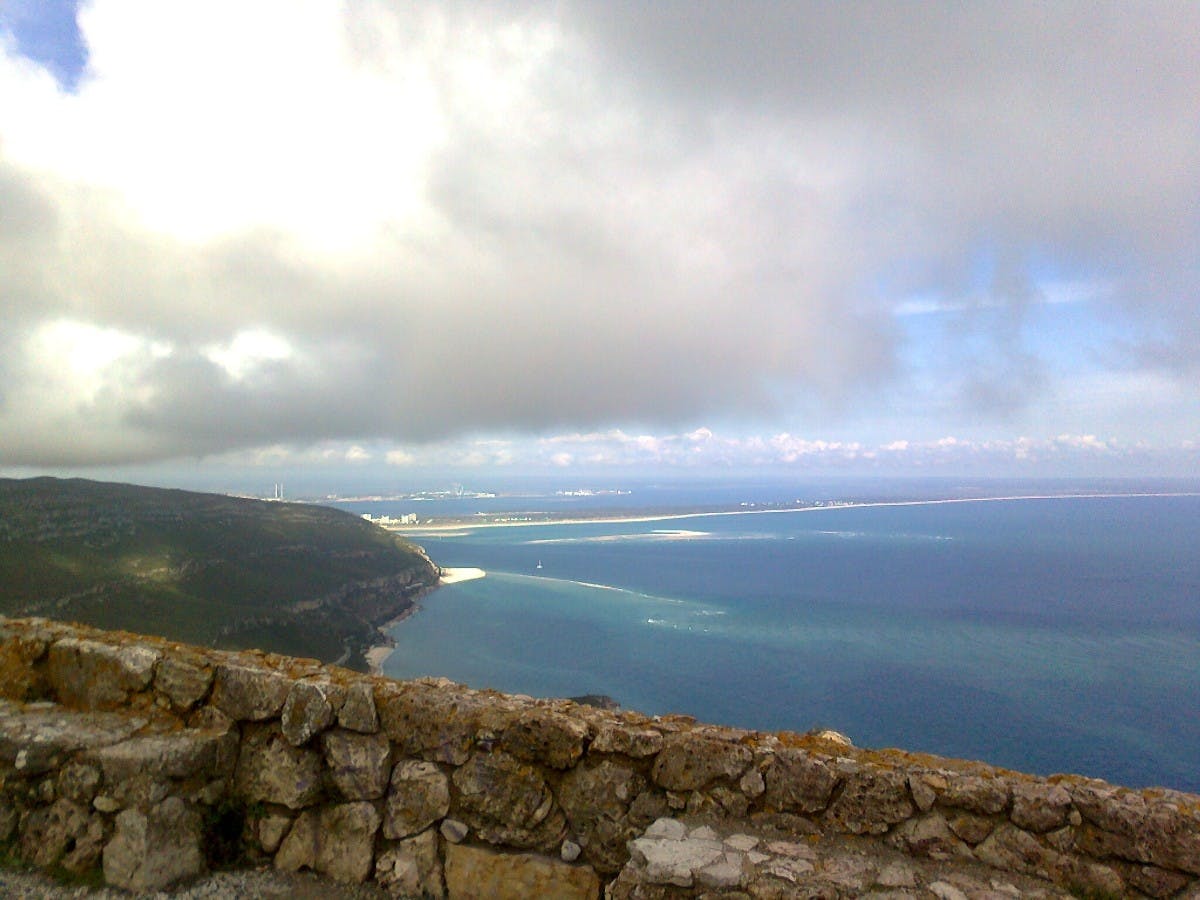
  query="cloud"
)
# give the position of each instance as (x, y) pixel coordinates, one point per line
(378, 222)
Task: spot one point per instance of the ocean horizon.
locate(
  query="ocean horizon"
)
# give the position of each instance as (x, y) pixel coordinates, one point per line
(1045, 635)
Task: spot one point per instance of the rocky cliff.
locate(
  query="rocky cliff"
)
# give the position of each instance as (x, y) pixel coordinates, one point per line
(150, 760)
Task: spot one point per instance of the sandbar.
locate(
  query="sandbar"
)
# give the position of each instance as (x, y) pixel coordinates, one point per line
(455, 575)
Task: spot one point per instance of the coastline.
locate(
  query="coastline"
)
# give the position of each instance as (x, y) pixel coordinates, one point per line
(462, 528)
(377, 654)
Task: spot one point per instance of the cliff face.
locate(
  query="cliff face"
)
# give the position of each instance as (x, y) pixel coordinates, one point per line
(151, 760)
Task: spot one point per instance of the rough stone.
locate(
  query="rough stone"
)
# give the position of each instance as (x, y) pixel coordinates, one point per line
(473, 872)
(248, 693)
(946, 891)
(419, 796)
(627, 740)
(1039, 807)
(153, 850)
(184, 682)
(359, 764)
(306, 712)
(79, 782)
(454, 831)
(986, 796)
(50, 831)
(270, 831)
(971, 828)
(666, 859)
(547, 737)
(596, 797)
(20, 679)
(1017, 851)
(87, 674)
(871, 800)
(179, 754)
(412, 868)
(570, 851)
(896, 875)
(799, 782)
(38, 739)
(357, 709)
(690, 761)
(273, 771)
(337, 841)
(506, 801)
(925, 787)
(930, 836)
(436, 723)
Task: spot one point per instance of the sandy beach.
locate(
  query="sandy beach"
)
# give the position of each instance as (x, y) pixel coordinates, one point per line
(378, 654)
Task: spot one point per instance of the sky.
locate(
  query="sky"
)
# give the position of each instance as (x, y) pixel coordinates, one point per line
(398, 238)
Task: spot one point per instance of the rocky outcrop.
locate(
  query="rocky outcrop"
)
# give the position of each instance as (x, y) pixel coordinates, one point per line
(141, 758)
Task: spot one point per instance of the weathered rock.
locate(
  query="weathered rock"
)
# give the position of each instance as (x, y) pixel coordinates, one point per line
(356, 712)
(453, 830)
(925, 787)
(419, 796)
(20, 679)
(928, 835)
(153, 850)
(971, 828)
(271, 770)
(412, 868)
(1017, 851)
(88, 674)
(796, 781)
(337, 841)
(184, 681)
(79, 782)
(39, 738)
(690, 761)
(473, 872)
(1039, 807)
(306, 712)
(547, 737)
(179, 754)
(86, 854)
(596, 798)
(248, 693)
(50, 831)
(668, 854)
(871, 800)
(507, 802)
(271, 830)
(627, 740)
(986, 796)
(359, 764)
(437, 724)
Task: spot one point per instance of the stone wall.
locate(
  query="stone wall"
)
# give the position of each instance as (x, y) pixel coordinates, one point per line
(152, 760)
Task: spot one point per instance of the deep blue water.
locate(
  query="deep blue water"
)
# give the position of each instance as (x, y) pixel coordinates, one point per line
(1043, 635)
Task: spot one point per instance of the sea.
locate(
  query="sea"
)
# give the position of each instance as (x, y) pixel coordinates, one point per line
(1052, 633)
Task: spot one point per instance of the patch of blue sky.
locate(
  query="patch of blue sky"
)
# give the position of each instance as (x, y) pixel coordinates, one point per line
(47, 32)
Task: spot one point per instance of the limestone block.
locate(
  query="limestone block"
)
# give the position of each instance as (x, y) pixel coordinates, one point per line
(971, 828)
(183, 679)
(627, 740)
(359, 764)
(247, 693)
(38, 738)
(1039, 807)
(871, 800)
(89, 846)
(180, 754)
(50, 831)
(507, 801)
(546, 737)
(437, 723)
(337, 841)
(79, 782)
(412, 868)
(799, 782)
(419, 796)
(88, 674)
(928, 835)
(19, 679)
(667, 854)
(1164, 833)
(986, 796)
(473, 873)
(690, 761)
(1010, 848)
(272, 770)
(357, 709)
(270, 831)
(596, 798)
(306, 712)
(152, 850)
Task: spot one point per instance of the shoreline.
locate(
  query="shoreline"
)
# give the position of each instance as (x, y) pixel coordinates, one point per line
(376, 655)
(465, 527)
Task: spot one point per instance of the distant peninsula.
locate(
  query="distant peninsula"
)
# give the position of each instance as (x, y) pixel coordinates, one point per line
(226, 572)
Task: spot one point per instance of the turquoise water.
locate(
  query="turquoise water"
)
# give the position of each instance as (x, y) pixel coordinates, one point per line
(1044, 635)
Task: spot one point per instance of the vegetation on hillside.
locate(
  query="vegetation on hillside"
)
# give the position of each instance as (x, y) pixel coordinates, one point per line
(204, 568)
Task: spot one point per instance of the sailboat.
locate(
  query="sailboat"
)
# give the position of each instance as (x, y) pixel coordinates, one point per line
(539, 565)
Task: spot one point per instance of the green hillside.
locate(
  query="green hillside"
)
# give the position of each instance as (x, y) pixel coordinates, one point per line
(204, 568)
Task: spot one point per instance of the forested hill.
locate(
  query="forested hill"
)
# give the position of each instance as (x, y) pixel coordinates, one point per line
(204, 568)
